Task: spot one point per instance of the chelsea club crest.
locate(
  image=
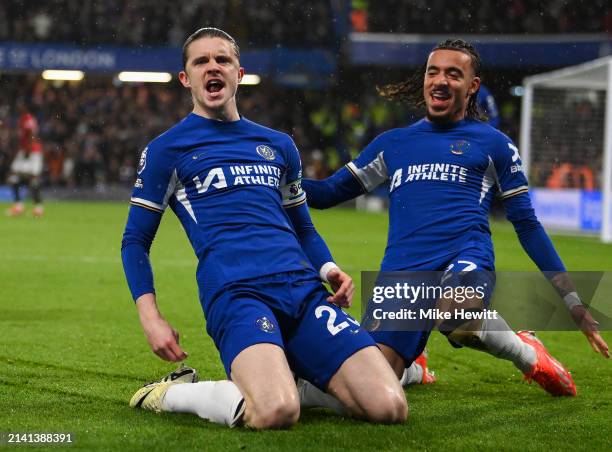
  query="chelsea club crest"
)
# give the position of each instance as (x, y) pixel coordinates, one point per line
(265, 325)
(460, 147)
(266, 152)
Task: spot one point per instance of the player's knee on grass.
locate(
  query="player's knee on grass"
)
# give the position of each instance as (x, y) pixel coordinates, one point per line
(369, 389)
(262, 374)
(388, 406)
(280, 412)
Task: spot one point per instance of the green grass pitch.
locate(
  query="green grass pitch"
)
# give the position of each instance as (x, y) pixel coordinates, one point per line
(72, 351)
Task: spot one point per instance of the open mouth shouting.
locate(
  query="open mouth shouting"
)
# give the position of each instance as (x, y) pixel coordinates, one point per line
(214, 86)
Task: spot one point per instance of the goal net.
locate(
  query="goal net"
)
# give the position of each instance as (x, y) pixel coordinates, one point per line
(566, 143)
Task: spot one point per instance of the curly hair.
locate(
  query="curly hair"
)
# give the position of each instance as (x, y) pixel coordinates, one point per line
(411, 90)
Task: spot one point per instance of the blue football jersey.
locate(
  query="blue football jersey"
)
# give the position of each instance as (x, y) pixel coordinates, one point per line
(228, 183)
(442, 181)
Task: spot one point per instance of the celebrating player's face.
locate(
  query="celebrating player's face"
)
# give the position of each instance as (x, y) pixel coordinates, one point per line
(212, 72)
(448, 84)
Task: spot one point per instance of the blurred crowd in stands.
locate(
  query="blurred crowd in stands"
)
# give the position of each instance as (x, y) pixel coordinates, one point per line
(567, 132)
(143, 22)
(257, 23)
(90, 134)
(94, 131)
(482, 17)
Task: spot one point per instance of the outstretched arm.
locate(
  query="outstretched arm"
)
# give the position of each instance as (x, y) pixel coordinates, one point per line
(540, 249)
(360, 176)
(336, 189)
(139, 232)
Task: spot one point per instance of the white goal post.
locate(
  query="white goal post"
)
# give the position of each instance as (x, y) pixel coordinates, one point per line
(566, 144)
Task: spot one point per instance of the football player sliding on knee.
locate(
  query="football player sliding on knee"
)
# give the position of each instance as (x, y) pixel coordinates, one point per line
(444, 172)
(235, 187)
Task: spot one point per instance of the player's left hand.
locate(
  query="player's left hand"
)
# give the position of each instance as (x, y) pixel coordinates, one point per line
(588, 325)
(343, 287)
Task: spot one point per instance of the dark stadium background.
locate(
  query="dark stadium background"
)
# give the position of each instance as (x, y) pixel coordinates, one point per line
(71, 350)
(320, 62)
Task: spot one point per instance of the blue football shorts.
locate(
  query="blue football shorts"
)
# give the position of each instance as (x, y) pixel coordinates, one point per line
(289, 310)
(467, 268)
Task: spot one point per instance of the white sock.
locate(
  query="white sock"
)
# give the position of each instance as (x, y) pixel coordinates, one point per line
(501, 342)
(311, 396)
(413, 375)
(216, 401)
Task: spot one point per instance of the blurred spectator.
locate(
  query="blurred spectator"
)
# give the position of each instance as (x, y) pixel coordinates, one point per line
(94, 131)
(567, 138)
(359, 15)
(41, 24)
(272, 22)
(492, 17)
(166, 22)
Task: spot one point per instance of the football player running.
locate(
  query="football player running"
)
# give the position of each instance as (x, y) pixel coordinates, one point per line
(235, 187)
(444, 172)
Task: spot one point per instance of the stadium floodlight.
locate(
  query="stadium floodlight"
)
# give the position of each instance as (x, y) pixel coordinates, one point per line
(566, 143)
(56, 74)
(250, 79)
(147, 77)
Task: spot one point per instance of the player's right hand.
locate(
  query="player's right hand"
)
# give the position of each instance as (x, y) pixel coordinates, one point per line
(588, 325)
(164, 340)
(343, 287)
